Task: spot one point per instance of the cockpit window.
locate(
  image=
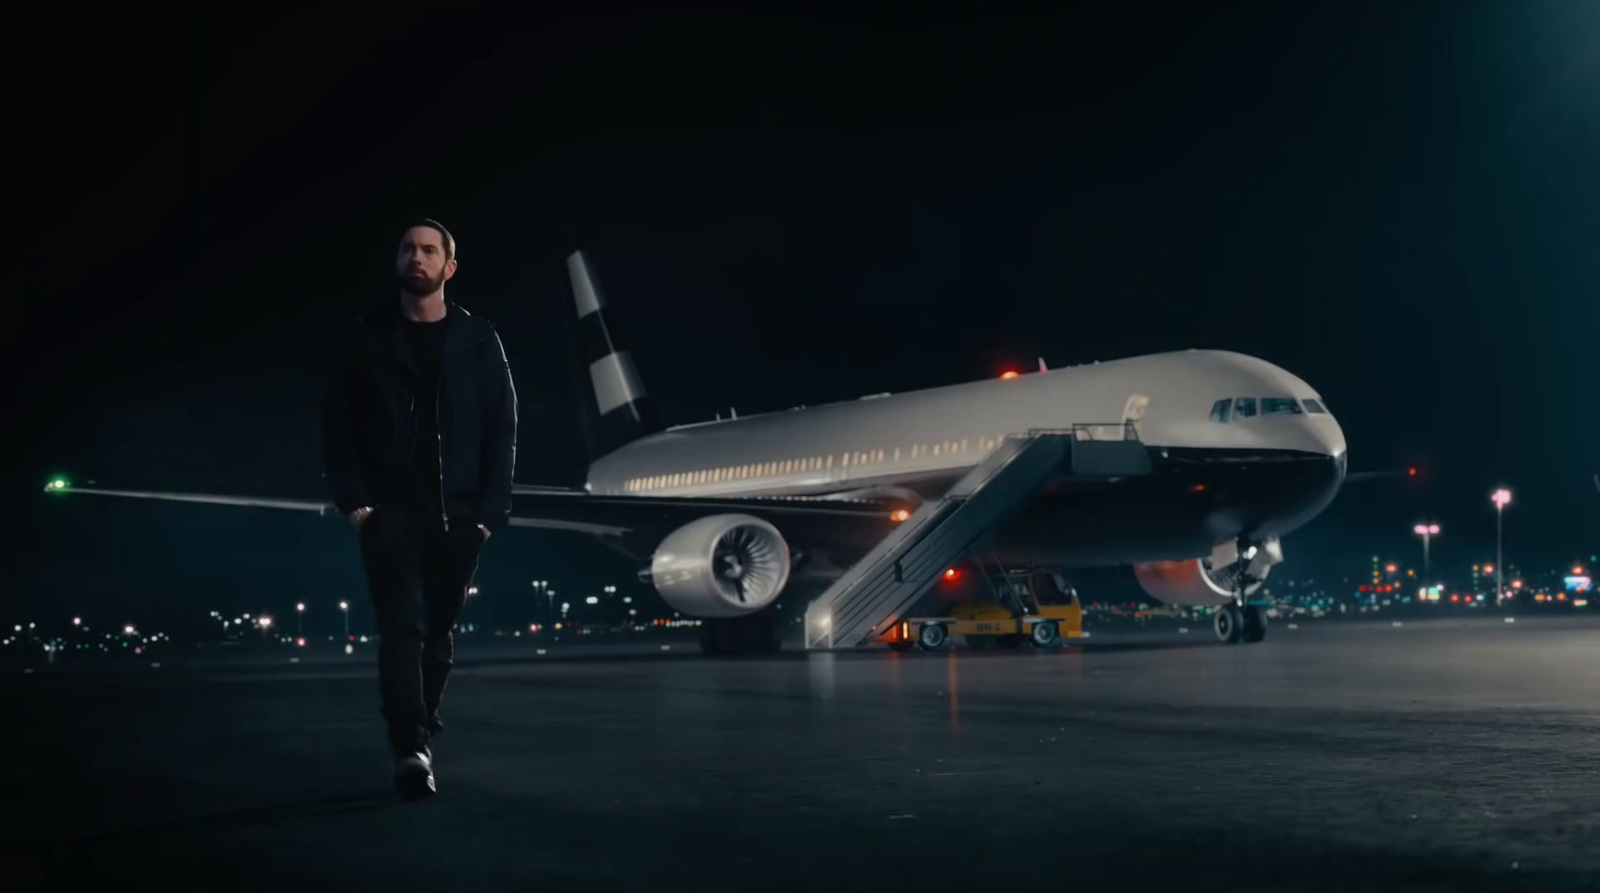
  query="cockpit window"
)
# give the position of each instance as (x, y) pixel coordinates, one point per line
(1313, 405)
(1219, 409)
(1244, 407)
(1274, 405)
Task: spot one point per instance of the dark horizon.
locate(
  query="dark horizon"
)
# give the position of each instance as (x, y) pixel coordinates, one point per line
(1396, 204)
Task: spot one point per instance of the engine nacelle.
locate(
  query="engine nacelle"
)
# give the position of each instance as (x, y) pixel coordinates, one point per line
(721, 566)
(1198, 581)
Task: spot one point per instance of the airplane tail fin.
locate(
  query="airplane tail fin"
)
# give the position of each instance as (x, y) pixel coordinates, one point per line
(616, 409)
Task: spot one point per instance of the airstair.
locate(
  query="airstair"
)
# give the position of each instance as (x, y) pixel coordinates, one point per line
(880, 588)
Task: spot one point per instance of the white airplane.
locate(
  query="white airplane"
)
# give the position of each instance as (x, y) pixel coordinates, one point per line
(724, 516)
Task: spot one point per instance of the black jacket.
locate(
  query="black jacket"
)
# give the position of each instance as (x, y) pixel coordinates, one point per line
(369, 418)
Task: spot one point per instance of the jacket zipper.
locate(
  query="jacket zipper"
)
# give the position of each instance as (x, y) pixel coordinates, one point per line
(438, 388)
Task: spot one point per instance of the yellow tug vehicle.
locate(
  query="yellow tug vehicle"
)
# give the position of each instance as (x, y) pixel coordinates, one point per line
(986, 624)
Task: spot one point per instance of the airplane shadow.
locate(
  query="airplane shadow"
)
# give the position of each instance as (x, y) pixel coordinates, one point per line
(792, 655)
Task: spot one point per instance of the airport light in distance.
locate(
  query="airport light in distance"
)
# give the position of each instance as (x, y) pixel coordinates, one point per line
(1427, 532)
(1501, 498)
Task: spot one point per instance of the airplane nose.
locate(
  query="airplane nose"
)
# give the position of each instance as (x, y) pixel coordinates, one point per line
(1329, 437)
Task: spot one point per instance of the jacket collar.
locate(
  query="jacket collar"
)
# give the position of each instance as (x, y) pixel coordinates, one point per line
(464, 330)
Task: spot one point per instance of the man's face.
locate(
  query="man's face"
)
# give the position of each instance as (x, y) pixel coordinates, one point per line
(421, 267)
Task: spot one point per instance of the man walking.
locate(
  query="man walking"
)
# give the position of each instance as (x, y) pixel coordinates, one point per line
(419, 423)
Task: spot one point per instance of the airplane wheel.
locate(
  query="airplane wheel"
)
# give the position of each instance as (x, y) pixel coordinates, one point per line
(757, 634)
(708, 637)
(1228, 623)
(1255, 623)
(1045, 634)
(932, 637)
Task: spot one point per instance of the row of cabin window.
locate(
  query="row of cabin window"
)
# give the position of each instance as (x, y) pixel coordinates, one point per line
(1230, 408)
(795, 466)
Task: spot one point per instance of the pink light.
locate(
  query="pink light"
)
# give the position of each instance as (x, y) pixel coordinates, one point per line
(1426, 529)
(1501, 497)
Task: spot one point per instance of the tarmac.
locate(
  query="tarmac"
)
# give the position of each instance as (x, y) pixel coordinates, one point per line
(1433, 755)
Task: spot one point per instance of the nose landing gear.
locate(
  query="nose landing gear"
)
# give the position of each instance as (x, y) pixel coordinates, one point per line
(1242, 621)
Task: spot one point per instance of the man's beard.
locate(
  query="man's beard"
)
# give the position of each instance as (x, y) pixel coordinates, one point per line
(419, 284)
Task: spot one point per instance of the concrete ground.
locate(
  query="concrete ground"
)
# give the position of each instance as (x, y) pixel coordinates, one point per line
(1440, 755)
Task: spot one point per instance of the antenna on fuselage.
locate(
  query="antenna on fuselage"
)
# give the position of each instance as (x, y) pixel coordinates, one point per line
(1042, 366)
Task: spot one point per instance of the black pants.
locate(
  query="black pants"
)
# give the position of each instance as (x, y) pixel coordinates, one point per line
(417, 574)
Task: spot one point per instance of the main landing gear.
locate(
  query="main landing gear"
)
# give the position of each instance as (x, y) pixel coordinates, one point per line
(754, 634)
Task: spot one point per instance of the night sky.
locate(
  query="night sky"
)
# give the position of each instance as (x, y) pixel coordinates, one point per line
(1399, 203)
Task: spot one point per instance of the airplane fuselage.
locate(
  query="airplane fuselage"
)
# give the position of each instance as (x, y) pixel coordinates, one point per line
(1217, 479)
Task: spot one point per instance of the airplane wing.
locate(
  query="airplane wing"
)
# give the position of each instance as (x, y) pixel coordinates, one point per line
(631, 524)
(1359, 477)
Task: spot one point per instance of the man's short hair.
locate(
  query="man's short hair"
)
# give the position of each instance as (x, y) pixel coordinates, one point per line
(444, 234)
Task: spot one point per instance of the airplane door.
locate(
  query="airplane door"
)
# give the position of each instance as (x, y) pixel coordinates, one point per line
(1133, 412)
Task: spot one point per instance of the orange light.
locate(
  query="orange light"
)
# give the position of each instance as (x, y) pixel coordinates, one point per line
(952, 574)
(1009, 373)
(899, 515)
(1391, 568)
(1412, 472)
(1198, 488)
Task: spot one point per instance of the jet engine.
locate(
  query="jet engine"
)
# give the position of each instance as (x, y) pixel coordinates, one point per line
(1210, 580)
(721, 566)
